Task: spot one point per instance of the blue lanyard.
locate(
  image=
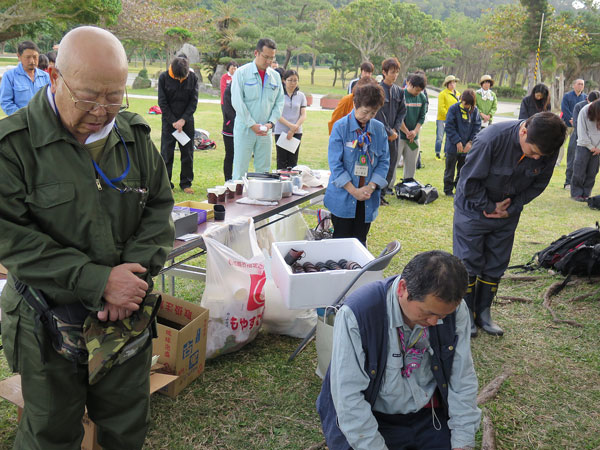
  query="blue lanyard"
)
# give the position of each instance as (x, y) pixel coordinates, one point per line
(110, 181)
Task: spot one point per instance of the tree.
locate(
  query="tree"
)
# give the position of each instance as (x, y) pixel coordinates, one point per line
(175, 37)
(366, 25)
(465, 58)
(144, 24)
(503, 35)
(290, 24)
(16, 13)
(565, 43)
(536, 10)
(414, 34)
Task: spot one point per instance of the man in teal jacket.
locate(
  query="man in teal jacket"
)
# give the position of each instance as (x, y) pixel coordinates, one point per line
(257, 97)
(84, 219)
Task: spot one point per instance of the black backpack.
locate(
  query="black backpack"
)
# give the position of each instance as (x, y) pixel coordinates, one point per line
(594, 202)
(411, 189)
(577, 253)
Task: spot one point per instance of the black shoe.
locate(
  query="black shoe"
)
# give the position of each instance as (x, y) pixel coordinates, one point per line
(437, 156)
(383, 201)
(448, 194)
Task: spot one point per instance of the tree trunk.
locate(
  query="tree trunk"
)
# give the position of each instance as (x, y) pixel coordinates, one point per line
(561, 87)
(501, 77)
(288, 56)
(531, 72)
(335, 71)
(298, 62)
(314, 67)
(513, 78)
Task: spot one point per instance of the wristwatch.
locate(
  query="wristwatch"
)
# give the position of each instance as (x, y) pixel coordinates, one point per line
(272, 124)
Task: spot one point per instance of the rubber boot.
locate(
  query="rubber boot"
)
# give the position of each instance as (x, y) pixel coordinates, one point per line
(470, 301)
(485, 293)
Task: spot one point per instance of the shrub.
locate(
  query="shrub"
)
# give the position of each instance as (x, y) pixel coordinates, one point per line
(141, 82)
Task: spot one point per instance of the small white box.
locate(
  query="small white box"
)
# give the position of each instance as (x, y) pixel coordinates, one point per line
(318, 289)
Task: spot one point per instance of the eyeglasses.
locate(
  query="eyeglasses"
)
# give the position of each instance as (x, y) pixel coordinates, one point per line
(88, 106)
(267, 58)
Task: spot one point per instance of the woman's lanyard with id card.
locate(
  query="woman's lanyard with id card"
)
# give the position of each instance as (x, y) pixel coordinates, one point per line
(361, 167)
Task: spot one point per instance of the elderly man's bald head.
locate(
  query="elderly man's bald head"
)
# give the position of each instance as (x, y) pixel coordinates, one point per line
(90, 46)
(91, 69)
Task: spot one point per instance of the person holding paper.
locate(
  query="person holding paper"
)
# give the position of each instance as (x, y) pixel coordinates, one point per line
(257, 97)
(290, 123)
(178, 99)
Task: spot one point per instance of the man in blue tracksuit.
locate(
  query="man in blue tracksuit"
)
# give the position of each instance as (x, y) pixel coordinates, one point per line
(257, 97)
(401, 373)
(509, 165)
(20, 84)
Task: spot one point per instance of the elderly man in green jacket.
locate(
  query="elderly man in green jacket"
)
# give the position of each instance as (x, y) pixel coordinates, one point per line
(84, 225)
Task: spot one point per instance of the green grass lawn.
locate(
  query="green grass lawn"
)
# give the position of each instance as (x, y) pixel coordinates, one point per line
(255, 399)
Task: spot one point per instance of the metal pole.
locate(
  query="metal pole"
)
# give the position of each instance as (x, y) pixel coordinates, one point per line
(537, 56)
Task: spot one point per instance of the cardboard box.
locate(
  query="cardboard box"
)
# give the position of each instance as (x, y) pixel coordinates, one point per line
(10, 389)
(318, 289)
(181, 344)
(199, 206)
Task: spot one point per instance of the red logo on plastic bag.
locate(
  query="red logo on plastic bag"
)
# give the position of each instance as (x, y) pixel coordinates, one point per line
(256, 297)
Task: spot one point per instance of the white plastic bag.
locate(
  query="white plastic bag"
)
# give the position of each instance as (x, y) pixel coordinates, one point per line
(234, 289)
(324, 339)
(278, 319)
(291, 228)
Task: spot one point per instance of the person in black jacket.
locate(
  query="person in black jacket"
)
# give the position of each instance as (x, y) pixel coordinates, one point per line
(463, 122)
(391, 116)
(178, 99)
(537, 101)
(227, 132)
(509, 165)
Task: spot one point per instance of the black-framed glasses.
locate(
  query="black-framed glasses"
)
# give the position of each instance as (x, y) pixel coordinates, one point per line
(88, 106)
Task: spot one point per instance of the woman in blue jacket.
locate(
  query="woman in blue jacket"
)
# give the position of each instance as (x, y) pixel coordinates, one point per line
(359, 159)
(462, 124)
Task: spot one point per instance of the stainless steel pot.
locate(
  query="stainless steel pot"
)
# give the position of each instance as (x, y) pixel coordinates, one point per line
(287, 188)
(263, 189)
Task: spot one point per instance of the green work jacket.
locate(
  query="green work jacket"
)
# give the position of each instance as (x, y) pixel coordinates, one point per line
(62, 230)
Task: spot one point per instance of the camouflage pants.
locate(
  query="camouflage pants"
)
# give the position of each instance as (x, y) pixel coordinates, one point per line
(56, 393)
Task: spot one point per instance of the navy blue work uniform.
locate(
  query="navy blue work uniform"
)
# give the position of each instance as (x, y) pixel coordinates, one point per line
(495, 169)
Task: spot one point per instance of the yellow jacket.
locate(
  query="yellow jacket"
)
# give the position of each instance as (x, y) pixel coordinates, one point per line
(446, 99)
